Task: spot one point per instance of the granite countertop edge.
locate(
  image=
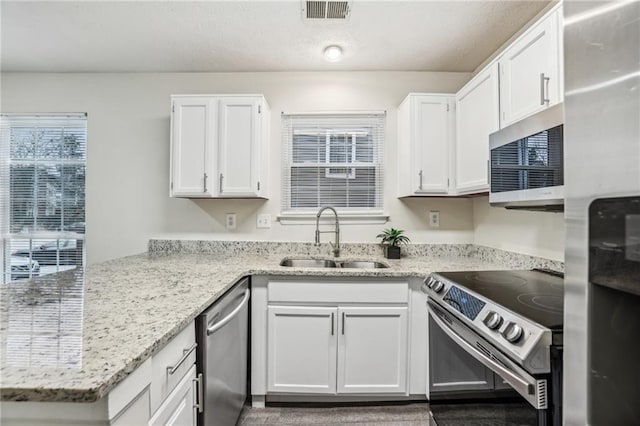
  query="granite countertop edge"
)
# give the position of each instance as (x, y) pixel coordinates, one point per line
(267, 265)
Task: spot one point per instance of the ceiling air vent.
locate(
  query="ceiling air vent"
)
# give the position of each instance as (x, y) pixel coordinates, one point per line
(324, 10)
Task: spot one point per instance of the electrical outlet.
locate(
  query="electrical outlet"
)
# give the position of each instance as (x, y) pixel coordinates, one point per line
(230, 220)
(263, 221)
(434, 219)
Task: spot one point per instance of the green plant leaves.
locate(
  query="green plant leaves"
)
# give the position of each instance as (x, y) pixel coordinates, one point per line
(393, 237)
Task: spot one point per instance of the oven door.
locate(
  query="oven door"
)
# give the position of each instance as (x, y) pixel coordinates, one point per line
(533, 390)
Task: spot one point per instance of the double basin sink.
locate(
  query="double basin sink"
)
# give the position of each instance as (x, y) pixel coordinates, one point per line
(330, 263)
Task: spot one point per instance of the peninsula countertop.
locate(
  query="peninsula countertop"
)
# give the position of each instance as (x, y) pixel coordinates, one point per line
(65, 337)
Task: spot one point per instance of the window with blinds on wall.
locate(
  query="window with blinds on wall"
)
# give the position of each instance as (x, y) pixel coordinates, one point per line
(42, 187)
(333, 160)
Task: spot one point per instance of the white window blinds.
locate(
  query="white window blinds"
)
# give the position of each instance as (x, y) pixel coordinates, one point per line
(42, 188)
(333, 160)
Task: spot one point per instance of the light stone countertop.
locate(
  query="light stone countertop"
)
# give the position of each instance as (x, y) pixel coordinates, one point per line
(68, 340)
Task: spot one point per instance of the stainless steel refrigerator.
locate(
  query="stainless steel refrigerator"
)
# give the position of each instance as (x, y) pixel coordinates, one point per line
(602, 213)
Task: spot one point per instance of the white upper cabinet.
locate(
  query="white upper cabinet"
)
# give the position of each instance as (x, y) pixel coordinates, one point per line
(530, 71)
(217, 146)
(239, 147)
(193, 135)
(425, 138)
(477, 116)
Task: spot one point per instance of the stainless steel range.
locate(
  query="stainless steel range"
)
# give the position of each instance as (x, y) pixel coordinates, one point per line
(510, 321)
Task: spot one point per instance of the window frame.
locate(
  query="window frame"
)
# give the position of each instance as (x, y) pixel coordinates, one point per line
(361, 215)
(33, 238)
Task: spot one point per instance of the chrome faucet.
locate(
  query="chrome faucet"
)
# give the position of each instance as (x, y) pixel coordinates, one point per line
(336, 245)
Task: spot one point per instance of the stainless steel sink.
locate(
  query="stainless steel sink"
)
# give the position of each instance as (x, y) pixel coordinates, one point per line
(363, 264)
(328, 263)
(309, 263)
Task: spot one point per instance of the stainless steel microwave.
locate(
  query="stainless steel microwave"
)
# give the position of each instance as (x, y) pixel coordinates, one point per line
(526, 169)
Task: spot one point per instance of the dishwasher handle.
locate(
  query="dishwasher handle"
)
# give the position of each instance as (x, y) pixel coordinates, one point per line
(218, 325)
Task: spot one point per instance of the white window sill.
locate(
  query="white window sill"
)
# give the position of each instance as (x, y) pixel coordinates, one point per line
(327, 217)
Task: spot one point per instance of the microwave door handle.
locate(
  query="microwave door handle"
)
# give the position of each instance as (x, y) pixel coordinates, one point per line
(489, 172)
(522, 386)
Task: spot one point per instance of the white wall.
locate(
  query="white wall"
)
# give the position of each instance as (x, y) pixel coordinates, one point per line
(534, 233)
(128, 159)
(128, 151)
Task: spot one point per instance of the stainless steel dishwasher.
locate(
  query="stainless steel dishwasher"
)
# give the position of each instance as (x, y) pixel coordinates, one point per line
(222, 332)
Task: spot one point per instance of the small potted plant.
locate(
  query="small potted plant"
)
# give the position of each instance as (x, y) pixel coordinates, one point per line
(391, 240)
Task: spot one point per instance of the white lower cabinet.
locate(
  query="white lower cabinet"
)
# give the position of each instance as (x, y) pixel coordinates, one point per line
(302, 349)
(331, 338)
(372, 350)
(178, 409)
(328, 350)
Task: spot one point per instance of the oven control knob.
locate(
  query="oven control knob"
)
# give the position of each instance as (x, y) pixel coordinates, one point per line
(493, 320)
(513, 332)
(437, 286)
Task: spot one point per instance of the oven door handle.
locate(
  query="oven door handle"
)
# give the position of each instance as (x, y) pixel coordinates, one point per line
(524, 387)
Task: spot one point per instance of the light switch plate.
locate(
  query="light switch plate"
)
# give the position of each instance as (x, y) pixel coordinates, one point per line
(434, 219)
(230, 221)
(263, 221)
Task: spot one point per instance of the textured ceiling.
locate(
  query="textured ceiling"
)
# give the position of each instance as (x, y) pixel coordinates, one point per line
(76, 36)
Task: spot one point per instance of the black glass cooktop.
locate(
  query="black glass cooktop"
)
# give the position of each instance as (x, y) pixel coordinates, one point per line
(536, 295)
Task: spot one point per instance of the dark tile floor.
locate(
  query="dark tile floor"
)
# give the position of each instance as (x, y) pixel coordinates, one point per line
(413, 414)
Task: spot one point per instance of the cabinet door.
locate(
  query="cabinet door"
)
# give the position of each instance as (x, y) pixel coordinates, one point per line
(372, 350)
(477, 116)
(178, 409)
(238, 146)
(530, 72)
(451, 369)
(432, 119)
(301, 349)
(193, 134)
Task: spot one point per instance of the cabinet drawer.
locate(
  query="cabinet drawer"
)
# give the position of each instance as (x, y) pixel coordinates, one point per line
(167, 370)
(178, 409)
(338, 292)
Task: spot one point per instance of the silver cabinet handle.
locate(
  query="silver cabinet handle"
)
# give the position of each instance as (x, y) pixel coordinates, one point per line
(332, 323)
(343, 323)
(221, 178)
(217, 326)
(420, 185)
(185, 355)
(199, 404)
(544, 83)
(205, 182)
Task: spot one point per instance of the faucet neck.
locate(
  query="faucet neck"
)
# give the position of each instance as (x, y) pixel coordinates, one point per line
(336, 245)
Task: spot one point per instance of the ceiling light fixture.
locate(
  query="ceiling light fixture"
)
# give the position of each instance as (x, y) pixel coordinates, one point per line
(333, 53)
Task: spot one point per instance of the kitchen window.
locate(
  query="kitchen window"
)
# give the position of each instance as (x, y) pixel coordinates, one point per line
(333, 160)
(42, 187)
